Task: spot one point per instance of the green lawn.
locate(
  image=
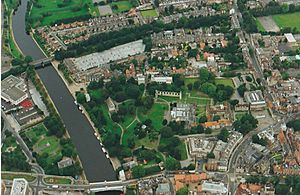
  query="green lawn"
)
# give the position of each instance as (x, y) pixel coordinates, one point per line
(288, 20)
(239, 115)
(149, 13)
(183, 152)
(123, 6)
(50, 11)
(110, 125)
(57, 180)
(156, 114)
(13, 176)
(36, 139)
(226, 82)
(128, 133)
(259, 26)
(146, 142)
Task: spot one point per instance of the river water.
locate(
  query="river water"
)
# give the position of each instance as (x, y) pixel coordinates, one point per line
(96, 166)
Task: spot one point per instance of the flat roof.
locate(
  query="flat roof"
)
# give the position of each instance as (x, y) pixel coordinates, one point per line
(116, 53)
(19, 186)
(290, 37)
(12, 88)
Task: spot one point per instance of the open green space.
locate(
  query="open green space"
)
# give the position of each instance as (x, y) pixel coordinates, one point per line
(146, 142)
(149, 13)
(183, 152)
(37, 140)
(110, 125)
(129, 132)
(122, 6)
(156, 114)
(288, 20)
(239, 115)
(57, 180)
(8, 176)
(46, 12)
(226, 82)
(260, 27)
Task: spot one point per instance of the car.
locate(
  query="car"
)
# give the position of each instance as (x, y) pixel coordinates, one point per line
(95, 134)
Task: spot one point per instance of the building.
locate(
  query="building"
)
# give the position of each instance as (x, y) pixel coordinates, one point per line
(101, 59)
(111, 105)
(182, 179)
(65, 162)
(183, 112)
(13, 90)
(213, 187)
(163, 189)
(20, 187)
(162, 79)
(255, 99)
(200, 147)
(290, 39)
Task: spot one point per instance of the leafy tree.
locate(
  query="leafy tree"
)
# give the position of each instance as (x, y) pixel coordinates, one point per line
(183, 191)
(257, 140)
(166, 132)
(210, 155)
(245, 124)
(131, 142)
(216, 117)
(172, 164)
(223, 135)
(242, 89)
(80, 98)
(295, 124)
(202, 119)
(190, 86)
(233, 102)
(138, 171)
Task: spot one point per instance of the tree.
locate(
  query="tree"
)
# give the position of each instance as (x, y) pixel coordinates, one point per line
(166, 132)
(210, 155)
(234, 102)
(172, 164)
(223, 135)
(190, 86)
(206, 76)
(248, 78)
(202, 119)
(131, 142)
(138, 171)
(260, 141)
(245, 124)
(183, 191)
(28, 59)
(242, 89)
(216, 117)
(295, 124)
(208, 131)
(80, 98)
(209, 89)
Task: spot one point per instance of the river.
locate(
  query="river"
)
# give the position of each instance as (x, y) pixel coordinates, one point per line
(96, 166)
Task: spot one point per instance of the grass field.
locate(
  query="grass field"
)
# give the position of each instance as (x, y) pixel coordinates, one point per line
(13, 176)
(123, 6)
(146, 142)
(149, 13)
(38, 140)
(110, 125)
(226, 82)
(288, 20)
(50, 11)
(156, 114)
(259, 26)
(128, 133)
(57, 180)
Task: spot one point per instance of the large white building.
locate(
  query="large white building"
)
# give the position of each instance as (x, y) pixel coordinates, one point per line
(214, 187)
(13, 90)
(102, 58)
(20, 187)
(162, 79)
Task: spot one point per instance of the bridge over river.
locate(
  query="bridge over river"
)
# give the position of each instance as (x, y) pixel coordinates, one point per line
(95, 164)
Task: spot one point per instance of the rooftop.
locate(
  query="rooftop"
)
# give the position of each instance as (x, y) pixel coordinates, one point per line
(19, 186)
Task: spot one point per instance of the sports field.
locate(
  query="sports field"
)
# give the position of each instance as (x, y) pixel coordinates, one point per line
(123, 6)
(46, 12)
(288, 20)
(149, 13)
